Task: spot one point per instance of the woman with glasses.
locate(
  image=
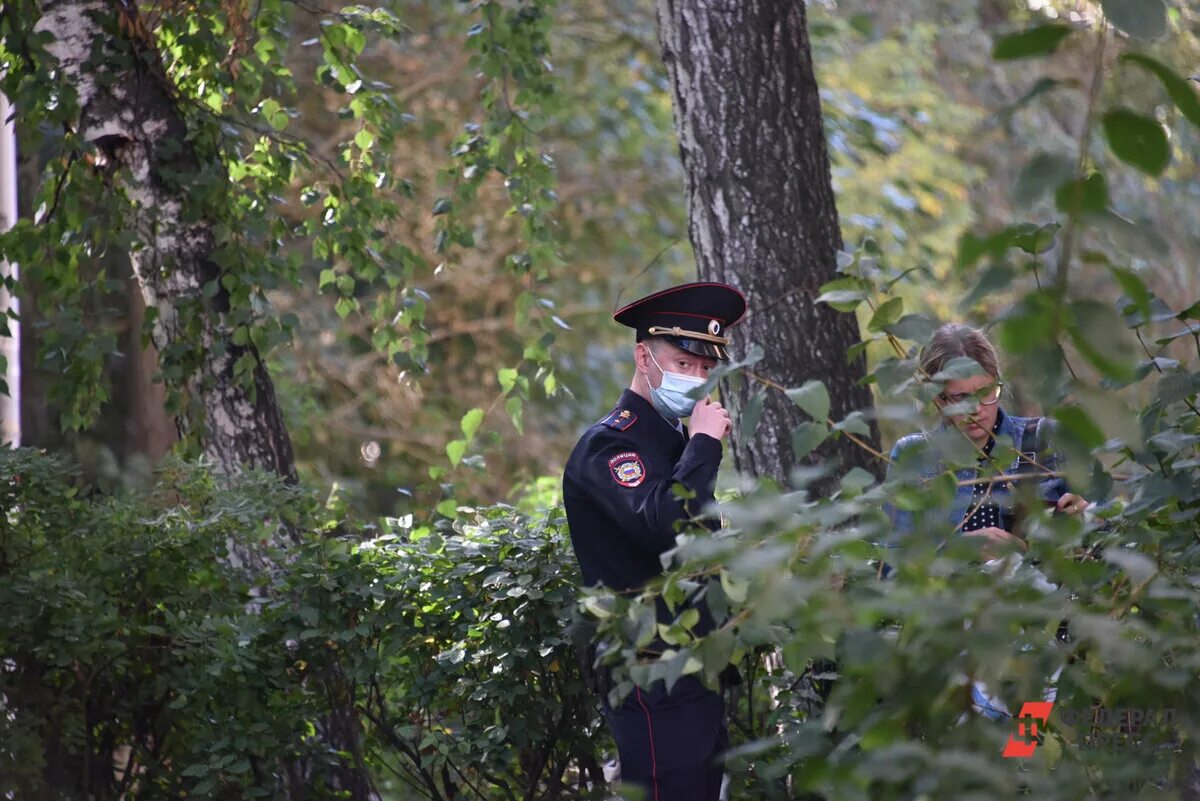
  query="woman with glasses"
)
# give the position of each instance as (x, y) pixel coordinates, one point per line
(981, 508)
(972, 405)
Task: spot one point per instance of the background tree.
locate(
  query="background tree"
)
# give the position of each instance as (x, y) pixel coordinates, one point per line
(762, 214)
(421, 223)
(131, 126)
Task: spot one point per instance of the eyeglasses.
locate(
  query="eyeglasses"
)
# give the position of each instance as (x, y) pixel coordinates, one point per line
(988, 396)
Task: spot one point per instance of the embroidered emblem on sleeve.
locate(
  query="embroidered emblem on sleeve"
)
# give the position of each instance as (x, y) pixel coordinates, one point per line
(627, 469)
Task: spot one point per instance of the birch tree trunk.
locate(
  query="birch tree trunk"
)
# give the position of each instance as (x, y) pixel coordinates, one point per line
(128, 112)
(761, 206)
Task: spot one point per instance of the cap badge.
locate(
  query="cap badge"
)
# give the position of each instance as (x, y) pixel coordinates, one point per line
(714, 327)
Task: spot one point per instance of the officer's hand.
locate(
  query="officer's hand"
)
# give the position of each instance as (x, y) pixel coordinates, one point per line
(997, 541)
(710, 417)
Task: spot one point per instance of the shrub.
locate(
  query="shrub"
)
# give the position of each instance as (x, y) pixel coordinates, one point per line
(128, 634)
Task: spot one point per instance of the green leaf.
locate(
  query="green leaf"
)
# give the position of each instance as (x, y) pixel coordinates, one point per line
(751, 414)
(957, 368)
(1076, 422)
(813, 398)
(1084, 196)
(735, 589)
(508, 378)
(1041, 174)
(1033, 42)
(806, 437)
(886, 314)
(688, 618)
(913, 327)
(995, 279)
(364, 139)
(1099, 335)
(470, 422)
(1035, 239)
(455, 450)
(843, 294)
(1028, 237)
(448, 508)
(513, 406)
(1177, 87)
(1135, 316)
(857, 480)
(1137, 566)
(1137, 140)
(1041, 87)
(855, 423)
(716, 651)
(675, 665)
(1140, 238)
(1145, 19)
(1139, 296)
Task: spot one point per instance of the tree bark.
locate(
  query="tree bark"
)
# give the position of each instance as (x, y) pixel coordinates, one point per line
(149, 429)
(761, 208)
(128, 112)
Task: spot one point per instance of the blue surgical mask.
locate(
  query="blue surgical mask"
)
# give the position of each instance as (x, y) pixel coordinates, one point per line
(670, 397)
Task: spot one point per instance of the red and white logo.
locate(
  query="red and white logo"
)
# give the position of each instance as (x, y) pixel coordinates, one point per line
(1022, 744)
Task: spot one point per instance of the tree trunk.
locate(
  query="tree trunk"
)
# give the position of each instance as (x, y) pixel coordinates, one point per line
(128, 112)
(761, 207)
(149, 429)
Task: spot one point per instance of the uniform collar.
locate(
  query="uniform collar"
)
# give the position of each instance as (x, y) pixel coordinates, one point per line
(645, 410)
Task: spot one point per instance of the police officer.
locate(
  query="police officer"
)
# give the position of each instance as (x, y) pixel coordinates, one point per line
(623, 512)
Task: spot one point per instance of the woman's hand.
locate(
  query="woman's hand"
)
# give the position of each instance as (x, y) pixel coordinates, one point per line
(998, 541)
(1071, 504)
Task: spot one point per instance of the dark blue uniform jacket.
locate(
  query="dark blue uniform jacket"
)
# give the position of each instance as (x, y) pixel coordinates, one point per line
(617, 490)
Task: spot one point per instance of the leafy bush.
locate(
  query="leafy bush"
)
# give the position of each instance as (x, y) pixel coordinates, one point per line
(469, 682)
(130, 638)
(799, 574)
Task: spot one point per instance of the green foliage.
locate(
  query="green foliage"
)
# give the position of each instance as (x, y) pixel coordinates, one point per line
(477, 690)
(126, 628)
(1137, 140)
(1145, 19)
(129, 634)
(796, 575)
(413, 251)
(1033, 42)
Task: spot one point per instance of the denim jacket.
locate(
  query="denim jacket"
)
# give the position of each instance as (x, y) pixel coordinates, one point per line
(1010, 431)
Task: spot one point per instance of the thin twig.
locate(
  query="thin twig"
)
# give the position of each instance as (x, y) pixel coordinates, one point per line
(645, 269)
(1064, 258)
(829, 421)
(1153, 361)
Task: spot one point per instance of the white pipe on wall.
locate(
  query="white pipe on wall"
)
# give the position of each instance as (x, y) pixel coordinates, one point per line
(10, 346)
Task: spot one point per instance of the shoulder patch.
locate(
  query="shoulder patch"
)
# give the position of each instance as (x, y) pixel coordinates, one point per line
(619, 420)
(627, 469)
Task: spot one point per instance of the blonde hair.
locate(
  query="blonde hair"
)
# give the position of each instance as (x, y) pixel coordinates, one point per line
(953, 340)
